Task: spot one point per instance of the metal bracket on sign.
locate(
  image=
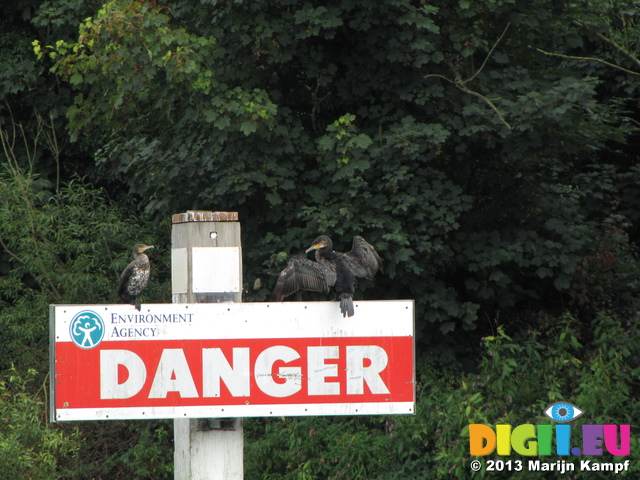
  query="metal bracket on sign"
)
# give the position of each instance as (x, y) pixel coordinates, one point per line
(208, 424)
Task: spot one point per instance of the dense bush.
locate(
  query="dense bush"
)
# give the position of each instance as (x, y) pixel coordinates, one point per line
(516, 380)
(63, 243)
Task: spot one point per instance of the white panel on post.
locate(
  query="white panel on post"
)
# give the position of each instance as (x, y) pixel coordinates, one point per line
(179, 271)
(208, 262)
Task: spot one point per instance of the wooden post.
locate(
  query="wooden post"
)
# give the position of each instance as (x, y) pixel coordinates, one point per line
(206, 267)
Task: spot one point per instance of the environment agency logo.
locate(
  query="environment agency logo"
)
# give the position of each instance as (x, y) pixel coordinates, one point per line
(528, 440)
(87, 329)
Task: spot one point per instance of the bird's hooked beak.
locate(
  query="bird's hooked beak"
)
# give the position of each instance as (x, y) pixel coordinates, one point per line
(147, 247)
(315, 246)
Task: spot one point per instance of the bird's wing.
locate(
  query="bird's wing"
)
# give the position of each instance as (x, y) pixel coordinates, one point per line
(363, 260)
(304, 274)
(124, 280)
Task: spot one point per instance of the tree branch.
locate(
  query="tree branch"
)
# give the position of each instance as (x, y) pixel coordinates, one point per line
(489, 54)
(591, 59)
(609, 41)
(489, 102)
(462, 84)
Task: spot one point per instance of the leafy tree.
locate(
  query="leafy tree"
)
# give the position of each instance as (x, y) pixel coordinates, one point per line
(430, 129)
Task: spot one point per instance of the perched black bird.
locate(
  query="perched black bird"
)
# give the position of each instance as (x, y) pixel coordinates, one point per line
(330, 270)
(135, 277)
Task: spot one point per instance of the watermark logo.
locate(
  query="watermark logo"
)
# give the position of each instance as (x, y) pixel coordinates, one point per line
(538, 440)
(563, 412)
(87, 329)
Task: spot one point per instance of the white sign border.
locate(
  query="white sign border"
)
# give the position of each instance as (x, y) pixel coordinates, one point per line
(232, 411)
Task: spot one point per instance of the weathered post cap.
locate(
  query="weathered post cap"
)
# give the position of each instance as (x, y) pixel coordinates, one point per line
(204, 216)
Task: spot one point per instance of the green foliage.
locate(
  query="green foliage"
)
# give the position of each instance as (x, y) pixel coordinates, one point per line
(29, 447)
(149, 65)
(516, 380)
(15, 53)
(290, 448)
(136, 450)
(65, 244)
(431, 130)
(487, 149)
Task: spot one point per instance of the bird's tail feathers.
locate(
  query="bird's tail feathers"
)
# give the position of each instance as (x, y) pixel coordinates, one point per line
(346, 305)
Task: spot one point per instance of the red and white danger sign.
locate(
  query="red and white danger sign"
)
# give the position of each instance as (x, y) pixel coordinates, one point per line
(231, 360)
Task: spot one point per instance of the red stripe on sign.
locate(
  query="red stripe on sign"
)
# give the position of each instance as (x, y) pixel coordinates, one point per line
(179, 373)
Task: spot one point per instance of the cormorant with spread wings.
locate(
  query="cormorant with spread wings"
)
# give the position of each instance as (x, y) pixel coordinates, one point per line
(331, 270)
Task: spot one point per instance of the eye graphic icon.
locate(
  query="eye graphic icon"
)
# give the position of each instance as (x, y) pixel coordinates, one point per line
(563, 412)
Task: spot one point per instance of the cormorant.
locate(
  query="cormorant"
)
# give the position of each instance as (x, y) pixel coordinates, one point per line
(135, 277)
(330, 270)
